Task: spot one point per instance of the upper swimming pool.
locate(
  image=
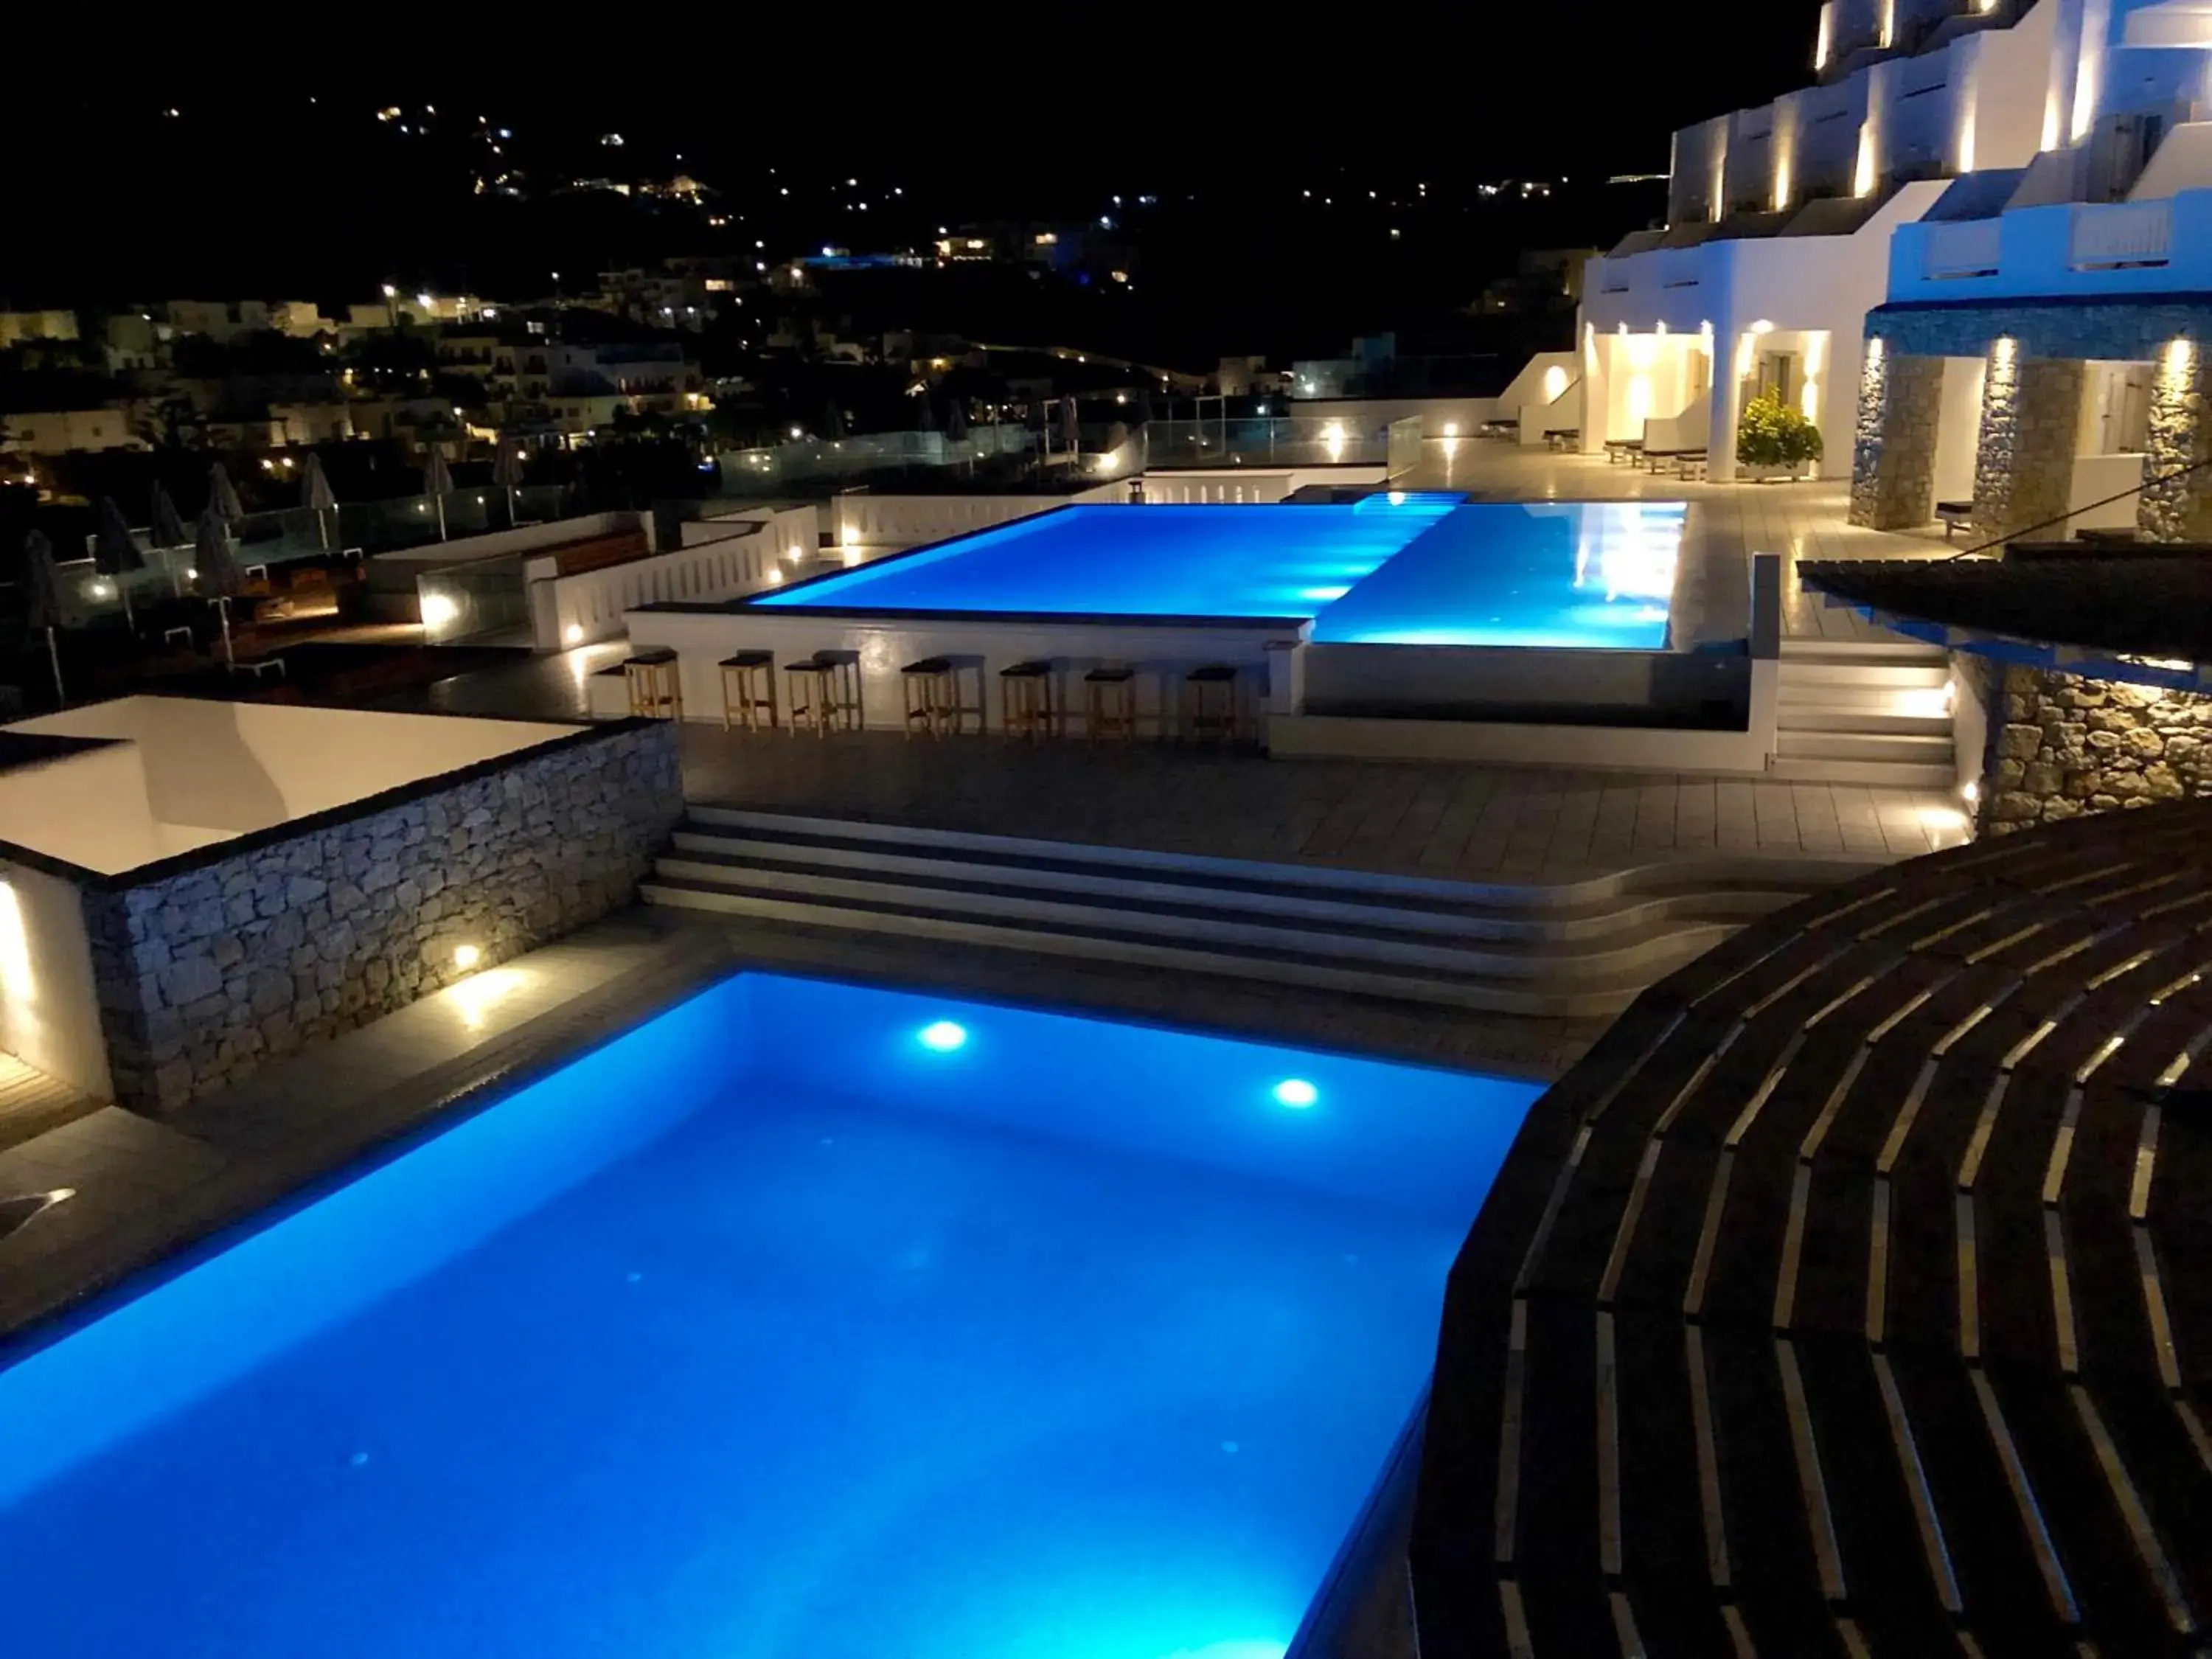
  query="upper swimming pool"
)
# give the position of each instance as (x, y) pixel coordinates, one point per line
(804, 1320)
(1391, 569)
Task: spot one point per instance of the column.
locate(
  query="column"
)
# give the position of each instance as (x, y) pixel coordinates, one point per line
(2024, 462)
(1727, 402)
(1894, 443)
(2178, 509)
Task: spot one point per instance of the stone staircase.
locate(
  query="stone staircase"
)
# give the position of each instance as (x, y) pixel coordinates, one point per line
(1855, 711)
(1580, 948)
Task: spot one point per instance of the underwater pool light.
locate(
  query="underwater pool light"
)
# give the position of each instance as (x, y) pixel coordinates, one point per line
(943, 1037)
(1296, 1093)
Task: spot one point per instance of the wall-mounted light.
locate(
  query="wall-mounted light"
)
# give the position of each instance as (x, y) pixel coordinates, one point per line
(572, 634)
(466, 957)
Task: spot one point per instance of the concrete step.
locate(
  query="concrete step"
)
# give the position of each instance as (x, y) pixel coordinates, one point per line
(1497, 994)
(1793, 716)
(1894, 774)
(1269, 898)
(1571, 948)
(1891, 652)
(1891, 675)
(1909, 747)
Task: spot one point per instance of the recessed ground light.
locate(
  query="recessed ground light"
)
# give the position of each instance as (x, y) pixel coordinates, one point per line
(466, 957)
(1296, 1093)
(574, 633)
(942, 1037)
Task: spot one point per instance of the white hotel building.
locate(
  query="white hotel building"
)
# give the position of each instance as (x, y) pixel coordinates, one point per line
(1966, 252)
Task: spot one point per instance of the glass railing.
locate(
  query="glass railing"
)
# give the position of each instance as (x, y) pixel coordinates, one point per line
(764, 471)
(1272, 440)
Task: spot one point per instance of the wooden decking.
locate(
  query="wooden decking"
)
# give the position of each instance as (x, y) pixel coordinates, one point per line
(1854, 1295)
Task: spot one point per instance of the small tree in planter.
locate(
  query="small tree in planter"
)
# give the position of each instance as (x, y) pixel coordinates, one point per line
(1773, 438)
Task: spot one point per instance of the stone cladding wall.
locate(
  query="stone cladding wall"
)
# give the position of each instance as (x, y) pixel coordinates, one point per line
(204, 975)
(2177, 509)
(2061, 745)
(1893, 447)
(2024, 462)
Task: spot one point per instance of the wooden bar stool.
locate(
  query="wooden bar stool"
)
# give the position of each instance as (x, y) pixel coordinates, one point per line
(1210, 704)
(1025, 697)
(655, 689)
(749, 690)
(812, 703)
(933, 697)
(1109, 704)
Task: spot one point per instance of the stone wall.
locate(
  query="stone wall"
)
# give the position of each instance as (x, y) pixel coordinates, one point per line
(2061, 745)
(203, 974)
(1894, 446)
(2177, 508)
(2024, 460)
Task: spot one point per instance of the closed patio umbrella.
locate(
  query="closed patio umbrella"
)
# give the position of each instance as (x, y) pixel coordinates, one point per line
(437, 484)
(42, 600)
(506, 473)
(224, 494)
(1070, 423)
(115, 552)
(956, 420)
(315, 493)
(168, 535)
(217, 570)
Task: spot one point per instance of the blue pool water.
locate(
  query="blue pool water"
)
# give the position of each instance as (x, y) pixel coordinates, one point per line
(1392, 570)
(804, 1321)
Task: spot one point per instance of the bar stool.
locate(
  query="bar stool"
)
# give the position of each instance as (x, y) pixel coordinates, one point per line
(933, 697)
(1109, 704)
(1025, 698)
(1210, 704)
(655, 687)
(812, 702)
(749, 689)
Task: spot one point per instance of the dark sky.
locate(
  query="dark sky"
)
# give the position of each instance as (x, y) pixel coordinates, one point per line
(970, 112)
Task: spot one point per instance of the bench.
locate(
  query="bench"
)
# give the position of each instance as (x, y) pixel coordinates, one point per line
(1955, 515)
(1504, 428)
(1628, 449)
(1562, 437)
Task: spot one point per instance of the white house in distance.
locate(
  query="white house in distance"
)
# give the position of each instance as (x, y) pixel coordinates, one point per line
(2037, 366)
(1779, 222)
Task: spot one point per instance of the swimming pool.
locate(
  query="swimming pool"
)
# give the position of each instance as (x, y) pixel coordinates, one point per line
(1393, 568)
(804, 1320)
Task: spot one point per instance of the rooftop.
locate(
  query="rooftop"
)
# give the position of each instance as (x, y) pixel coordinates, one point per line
(158, 777)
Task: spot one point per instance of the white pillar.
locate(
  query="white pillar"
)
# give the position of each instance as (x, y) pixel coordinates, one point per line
(1597, 388)
(1728, 398)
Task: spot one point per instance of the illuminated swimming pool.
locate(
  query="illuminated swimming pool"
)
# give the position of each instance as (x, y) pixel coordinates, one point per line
(804, 1321)
(1391, 569)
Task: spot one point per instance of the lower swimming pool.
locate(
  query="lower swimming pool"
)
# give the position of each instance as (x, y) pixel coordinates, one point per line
(804, 1320)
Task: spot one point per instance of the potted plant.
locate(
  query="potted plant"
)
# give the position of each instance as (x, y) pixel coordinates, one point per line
(1775, 441)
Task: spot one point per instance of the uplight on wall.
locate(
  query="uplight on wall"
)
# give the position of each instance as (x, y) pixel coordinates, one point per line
(1862, 167)
(1821, 39)
(439, 610)
(572, 634)
(1888, 23)
(1781, 181)
(1555, 382)
(1331, 438)
(466, 957)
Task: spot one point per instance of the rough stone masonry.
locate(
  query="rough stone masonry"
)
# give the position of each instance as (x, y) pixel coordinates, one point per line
(205, 975)
(2065, 745)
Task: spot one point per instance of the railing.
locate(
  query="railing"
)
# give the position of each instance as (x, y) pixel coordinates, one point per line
(1280, 441)
(2107, 236)
(1958, 247)
(762, 471)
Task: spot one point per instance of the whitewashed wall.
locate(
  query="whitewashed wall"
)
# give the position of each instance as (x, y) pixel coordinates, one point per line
(49, 1008)
(587, 607)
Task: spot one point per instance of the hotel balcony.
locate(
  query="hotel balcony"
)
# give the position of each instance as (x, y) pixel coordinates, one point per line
(2085, 249)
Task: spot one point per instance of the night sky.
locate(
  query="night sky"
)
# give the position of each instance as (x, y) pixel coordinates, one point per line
(252, 187)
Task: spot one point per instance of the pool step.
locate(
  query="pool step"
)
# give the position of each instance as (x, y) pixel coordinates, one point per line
(1576, 948)
(1865, 712)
